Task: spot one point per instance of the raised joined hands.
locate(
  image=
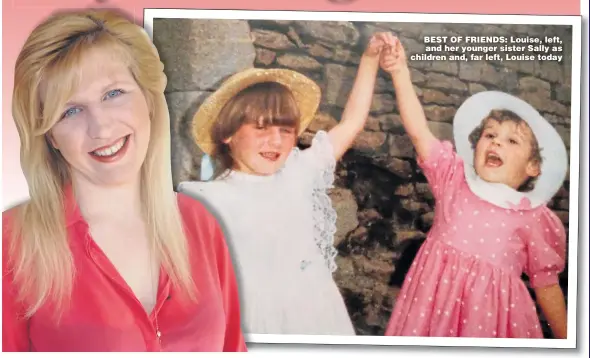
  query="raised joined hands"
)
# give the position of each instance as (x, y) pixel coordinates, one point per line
(393, 55)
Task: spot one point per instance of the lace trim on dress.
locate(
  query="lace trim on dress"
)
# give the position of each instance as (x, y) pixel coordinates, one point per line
(324, 214)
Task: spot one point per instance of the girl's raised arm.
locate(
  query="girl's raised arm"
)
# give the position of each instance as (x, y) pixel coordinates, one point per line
(393, 61)
(359, 101)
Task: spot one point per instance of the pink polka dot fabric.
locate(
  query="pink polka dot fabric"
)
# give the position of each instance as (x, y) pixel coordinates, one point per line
(466, 279)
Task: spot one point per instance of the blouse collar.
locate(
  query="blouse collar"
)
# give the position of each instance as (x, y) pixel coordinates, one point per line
(496, 193)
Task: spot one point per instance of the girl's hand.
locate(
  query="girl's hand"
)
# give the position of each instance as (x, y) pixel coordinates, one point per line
(393, 57)
(376, 44)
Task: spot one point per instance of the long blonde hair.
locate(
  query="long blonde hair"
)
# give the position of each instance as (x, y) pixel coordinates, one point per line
(40, 254)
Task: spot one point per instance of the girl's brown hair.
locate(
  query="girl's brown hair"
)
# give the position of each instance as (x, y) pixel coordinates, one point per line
(264, 104)
(503, 115)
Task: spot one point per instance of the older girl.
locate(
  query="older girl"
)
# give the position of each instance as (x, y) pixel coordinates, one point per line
(272, 196)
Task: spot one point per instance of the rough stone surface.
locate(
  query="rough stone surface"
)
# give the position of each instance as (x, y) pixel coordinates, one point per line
(299, 63)
(197, 55)
(384, 204)
(186, 155)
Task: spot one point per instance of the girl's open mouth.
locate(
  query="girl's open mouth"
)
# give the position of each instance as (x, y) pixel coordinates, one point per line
(272, 156)
(493, 160)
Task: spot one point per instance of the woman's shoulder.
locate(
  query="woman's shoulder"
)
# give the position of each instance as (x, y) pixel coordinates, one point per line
(9, 217)
(203, 232)
(199, 213)
(199, 220)
(9, 214)
(8, 230)
(192, 207)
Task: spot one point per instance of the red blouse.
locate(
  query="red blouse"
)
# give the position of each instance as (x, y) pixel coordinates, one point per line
(104, 314)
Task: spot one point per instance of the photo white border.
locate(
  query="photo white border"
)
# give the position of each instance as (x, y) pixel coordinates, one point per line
(575, 21)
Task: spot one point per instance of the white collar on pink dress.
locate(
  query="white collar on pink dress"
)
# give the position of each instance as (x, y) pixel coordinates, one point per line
(496, 193)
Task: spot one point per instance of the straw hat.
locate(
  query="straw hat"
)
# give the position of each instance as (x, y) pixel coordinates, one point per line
(555, 159)
(306, 92)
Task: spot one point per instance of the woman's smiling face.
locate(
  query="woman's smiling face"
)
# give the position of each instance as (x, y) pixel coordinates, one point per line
(104, 128)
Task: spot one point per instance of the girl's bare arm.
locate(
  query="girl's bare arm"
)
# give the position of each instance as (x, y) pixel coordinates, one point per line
(552, 303)
(411, 112)
(359, 101)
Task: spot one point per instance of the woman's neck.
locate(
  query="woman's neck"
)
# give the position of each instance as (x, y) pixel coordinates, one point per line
(99, 201)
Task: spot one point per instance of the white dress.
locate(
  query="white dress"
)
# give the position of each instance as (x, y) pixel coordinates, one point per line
(280, 231)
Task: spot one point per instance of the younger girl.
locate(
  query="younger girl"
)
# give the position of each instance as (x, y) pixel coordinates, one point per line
(272, 197)
(491, 221)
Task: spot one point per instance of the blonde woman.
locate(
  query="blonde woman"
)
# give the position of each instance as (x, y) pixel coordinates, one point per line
(105, 256)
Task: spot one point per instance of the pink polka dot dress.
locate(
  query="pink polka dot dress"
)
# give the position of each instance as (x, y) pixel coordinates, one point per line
(466, 279)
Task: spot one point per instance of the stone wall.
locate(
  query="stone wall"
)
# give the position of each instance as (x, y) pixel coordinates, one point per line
(383, 201)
